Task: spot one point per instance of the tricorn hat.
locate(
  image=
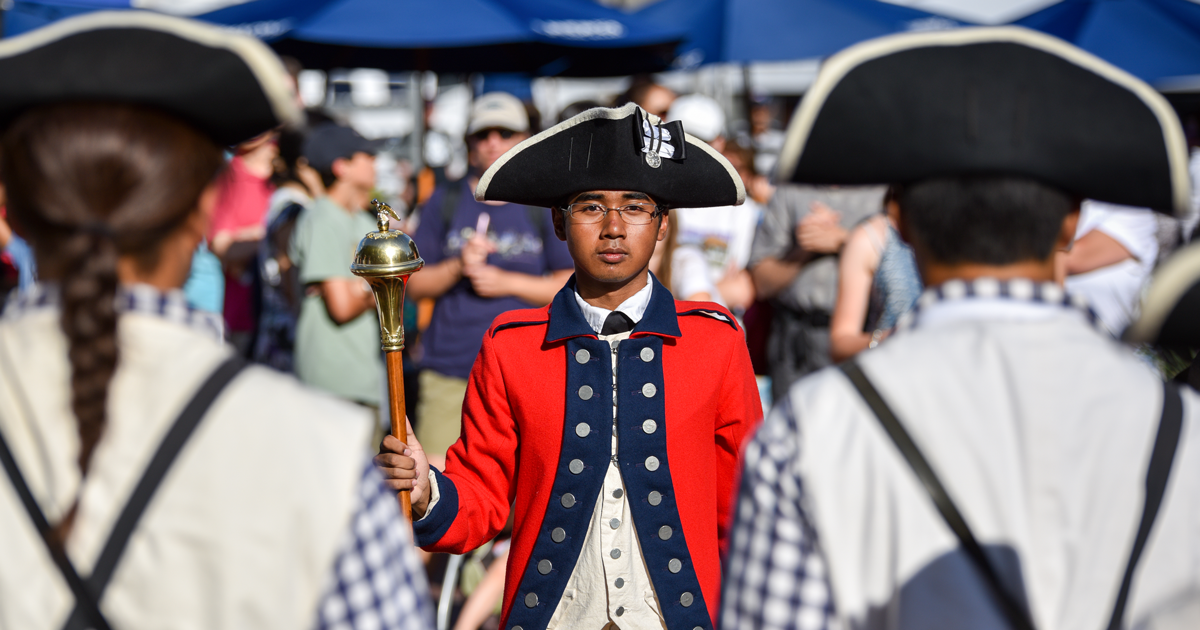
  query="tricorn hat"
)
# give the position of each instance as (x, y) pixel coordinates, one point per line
(230, 86)
(613, 149)
(1171, 306)
(1003, 100)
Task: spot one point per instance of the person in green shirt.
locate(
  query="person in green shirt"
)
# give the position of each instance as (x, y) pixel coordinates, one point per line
(337, 335)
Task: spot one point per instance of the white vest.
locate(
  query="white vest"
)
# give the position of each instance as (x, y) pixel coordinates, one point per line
(1040, 428)
(245, 527)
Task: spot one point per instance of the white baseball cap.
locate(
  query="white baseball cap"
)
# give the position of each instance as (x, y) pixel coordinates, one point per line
(498, 110)
(702, 116)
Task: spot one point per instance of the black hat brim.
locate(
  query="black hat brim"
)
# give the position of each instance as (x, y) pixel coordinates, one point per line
(1170, 311)
(229, 86)
(600, 150)
(979, 101)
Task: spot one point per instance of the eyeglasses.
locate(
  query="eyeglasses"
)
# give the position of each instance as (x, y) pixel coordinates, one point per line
(483, 134)
(632, 214)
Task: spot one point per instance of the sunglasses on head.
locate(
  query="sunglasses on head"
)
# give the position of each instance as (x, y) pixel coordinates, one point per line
(483, 134)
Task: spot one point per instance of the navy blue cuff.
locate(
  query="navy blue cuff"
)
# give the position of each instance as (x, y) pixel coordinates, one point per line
(437, 521)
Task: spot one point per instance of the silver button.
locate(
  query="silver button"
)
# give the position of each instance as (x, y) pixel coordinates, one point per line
(615, 523)
(619, 582)
(583, 429)
(686, 599)
(582, 356)
(620, 610)
(520, 628)
(652, 463)
(665, 532)
(649, 427)
(558, 534)
(545, 566)
(576, 466)
(647, 355)
(649, 390)
(674, 566)
(618, 493)
(531, 600)
(585, 392)
(655, 497)
(568, 500)
(615, 553)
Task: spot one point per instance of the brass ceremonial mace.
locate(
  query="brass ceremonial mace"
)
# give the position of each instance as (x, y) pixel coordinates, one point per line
(385, 259)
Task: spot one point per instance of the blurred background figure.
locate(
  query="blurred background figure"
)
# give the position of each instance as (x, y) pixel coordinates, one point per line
(238, 229)
(481, 259)
(794, 263)
(337, 333)
(764, 135)
(877, 283)
(650, 96)
(114, 190)
(722, 235)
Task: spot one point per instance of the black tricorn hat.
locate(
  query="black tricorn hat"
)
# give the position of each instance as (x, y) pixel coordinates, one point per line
(1003, 100)
(230, 86)
(1171, 306)
(624, 148)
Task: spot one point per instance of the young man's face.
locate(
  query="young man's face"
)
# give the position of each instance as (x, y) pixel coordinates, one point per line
(486, 146)
(610, 252)
(358, 170)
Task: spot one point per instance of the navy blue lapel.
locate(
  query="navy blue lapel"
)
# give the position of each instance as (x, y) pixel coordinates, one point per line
(566, 319)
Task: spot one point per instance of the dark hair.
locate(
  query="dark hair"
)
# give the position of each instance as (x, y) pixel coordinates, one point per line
(327, 176)
(991, 220)
(291, 149)
(743, 153)
(90, 183)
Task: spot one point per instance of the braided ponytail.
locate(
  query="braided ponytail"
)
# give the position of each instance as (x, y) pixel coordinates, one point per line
(90, 184)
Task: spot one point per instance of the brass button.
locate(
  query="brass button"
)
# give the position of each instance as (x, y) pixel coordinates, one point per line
(674, 566)
(655, 497)
(647, 354)
(582, 356)
(649, 427)
(583, 429)
(576, 466)
(531, 600)
(585, 392)
(686, 599)
(652, 463)
(649, 390)
(615, 553)
(558, 534)
(665, 532)
(568, 500)
(545, 566)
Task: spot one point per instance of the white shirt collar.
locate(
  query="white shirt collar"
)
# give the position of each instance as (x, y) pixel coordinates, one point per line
(1017, 299)
(634, 307)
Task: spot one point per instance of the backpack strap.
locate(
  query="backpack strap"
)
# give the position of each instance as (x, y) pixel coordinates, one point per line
(87, 595)
(1014, 612)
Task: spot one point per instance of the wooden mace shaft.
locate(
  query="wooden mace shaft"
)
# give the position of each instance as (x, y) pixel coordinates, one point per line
(395, 379)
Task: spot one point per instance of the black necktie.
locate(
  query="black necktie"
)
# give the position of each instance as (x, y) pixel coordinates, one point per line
(616, 323)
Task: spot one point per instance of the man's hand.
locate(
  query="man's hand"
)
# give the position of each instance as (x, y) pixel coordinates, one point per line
(475, 251)
(821, 231)
(488, 281)
(405, 467)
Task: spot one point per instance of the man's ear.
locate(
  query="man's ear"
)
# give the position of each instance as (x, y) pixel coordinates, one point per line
(338, 166)
(201, 218)
(559, 217)
(1066, 233)
(663, 224)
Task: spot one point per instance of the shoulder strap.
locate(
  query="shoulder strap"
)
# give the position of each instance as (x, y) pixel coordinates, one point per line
(450, 202)
(1161, 458)
(87, 596)
(1013, 611)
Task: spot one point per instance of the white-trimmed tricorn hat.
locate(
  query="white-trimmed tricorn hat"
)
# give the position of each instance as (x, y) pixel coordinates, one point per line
(231, 87)
(990, 100)
(1171, 306)
(624, 148)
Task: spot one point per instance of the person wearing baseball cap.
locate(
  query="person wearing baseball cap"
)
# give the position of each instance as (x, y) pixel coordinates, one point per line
(138, 486)
(482, 259)
(1001, 460)
(337, 336)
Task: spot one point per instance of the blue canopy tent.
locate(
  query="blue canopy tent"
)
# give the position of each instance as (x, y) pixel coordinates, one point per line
(1152, 39)
(265, 19)
(543, 37)
(782, 30)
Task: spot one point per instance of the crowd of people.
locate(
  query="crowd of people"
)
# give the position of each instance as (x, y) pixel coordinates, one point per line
(705, 388)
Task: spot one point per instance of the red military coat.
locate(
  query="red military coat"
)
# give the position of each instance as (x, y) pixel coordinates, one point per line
(540, 375)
